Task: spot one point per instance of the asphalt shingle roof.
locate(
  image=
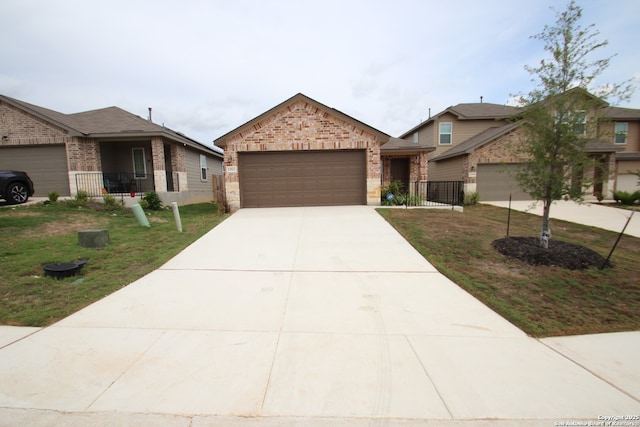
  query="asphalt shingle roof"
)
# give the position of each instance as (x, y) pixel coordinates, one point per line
(397, 144)
(471, 144)
(105, 122)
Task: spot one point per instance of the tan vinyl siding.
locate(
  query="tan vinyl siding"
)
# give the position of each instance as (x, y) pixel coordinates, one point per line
(447, 170)
(633, 137)
(606, 132)
(461, 130)
(425, 136)
(214, 167)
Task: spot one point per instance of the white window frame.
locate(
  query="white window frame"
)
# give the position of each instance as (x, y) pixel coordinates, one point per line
(616, 133)
(440, 133)
(144, 163)
(416, 137)
(203, 168)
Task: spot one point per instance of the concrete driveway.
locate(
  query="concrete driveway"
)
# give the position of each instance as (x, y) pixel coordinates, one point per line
(306, 317)
(592, 214)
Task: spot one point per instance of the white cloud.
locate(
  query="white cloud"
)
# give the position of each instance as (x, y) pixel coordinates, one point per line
(206, 67)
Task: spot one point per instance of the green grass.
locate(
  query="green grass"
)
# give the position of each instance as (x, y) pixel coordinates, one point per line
(33, 236)
(542, 301)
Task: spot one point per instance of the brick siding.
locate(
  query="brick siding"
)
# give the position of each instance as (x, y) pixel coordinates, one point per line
(302, 126)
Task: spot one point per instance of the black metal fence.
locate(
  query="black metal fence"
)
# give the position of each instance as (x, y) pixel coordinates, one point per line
(435, 193)
(100, 183)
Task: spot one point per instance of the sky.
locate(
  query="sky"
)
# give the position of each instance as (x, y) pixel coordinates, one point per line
(206, 67)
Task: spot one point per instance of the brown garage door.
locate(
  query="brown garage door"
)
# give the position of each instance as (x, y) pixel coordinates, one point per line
(302, 178)
(45, 164)
(497, 181)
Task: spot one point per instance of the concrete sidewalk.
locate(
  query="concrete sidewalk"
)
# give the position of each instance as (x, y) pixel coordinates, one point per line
(592, 214)
(306, 317)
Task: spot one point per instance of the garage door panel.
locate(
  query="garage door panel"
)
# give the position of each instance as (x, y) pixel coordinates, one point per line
(46, 165)
(495, 182)
(310, 178)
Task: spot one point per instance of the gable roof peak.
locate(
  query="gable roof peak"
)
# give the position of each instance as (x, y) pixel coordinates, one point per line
(222, 140)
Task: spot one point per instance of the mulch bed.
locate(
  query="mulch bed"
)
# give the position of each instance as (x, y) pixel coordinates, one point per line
(560, 254)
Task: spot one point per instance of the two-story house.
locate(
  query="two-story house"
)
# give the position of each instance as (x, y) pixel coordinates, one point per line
(623, 130)
(474, 143)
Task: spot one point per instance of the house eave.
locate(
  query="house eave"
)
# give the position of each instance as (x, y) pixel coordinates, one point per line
(142, 135)
(627, 156)
(405, 151)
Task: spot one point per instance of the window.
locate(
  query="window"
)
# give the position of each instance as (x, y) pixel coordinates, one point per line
(203, 167)
(621, 130)
(139, 164)
(577, 120)
(415, 138)
(445, 134)
(580, 123)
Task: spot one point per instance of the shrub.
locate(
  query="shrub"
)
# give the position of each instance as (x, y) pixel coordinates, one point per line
(393, 194)
(471, 198)
(626, 198)
(153, 201)
(53, 196)
(110, 203)
(82, 196)
(81, 200)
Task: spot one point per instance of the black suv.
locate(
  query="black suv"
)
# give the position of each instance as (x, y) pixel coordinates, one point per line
(15, 186)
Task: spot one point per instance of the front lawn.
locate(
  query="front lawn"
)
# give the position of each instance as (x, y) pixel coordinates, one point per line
(541, 300)
(33, 236)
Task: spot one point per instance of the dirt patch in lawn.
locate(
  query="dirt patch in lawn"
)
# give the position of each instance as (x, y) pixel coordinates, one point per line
(559, 253)
(60, 228)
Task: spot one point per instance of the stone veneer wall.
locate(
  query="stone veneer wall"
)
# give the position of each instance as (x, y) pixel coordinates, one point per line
(301, 126)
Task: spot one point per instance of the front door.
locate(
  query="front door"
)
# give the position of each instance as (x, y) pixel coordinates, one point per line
(400, 172)
(167, 167)
(599, 176)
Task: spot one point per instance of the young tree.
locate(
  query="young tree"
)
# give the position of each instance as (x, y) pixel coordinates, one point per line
(559, 114)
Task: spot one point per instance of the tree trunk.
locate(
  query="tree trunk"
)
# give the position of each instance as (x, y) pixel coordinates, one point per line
(545, 235)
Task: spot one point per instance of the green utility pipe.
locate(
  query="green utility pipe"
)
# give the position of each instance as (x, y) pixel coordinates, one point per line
(176, 216)
(140, 215)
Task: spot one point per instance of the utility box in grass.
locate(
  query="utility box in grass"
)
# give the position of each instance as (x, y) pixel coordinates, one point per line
(96, 239)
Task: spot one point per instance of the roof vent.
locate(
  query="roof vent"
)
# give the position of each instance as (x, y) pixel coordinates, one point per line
(150, 115)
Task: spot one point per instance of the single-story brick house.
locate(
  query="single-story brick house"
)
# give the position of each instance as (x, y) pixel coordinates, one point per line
(303, 153)
(105, 151)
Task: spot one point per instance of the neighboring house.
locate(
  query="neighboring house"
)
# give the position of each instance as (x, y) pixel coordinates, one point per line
(623, 130)
(106, 151)
(303, 153)
(474, 143)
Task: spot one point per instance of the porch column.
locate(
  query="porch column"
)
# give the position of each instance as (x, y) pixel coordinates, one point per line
(179, 165)
(83, 155)
(423, 162)
(159, 172)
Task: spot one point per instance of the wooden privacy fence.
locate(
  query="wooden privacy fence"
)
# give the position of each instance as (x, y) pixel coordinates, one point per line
(219, 194)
